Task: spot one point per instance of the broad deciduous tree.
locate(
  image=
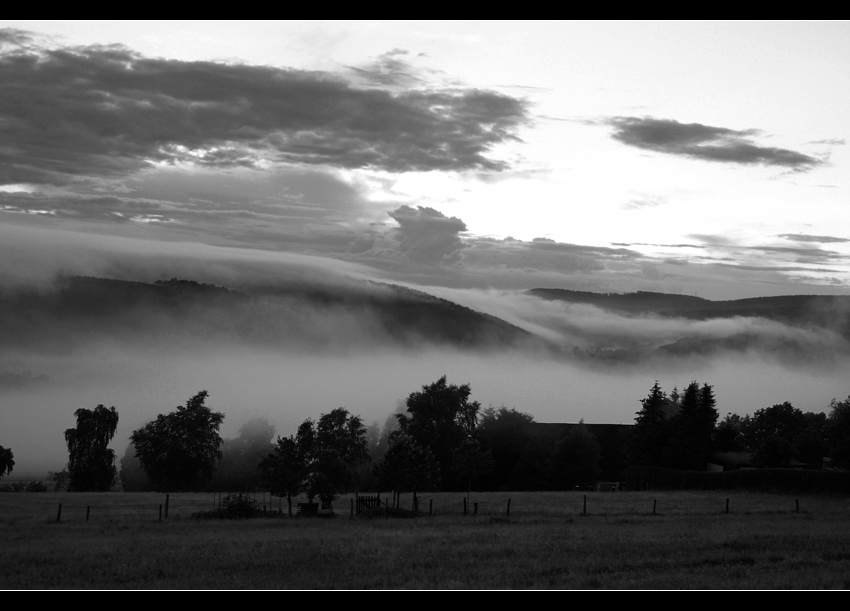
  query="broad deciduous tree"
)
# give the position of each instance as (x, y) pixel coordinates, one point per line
(91, 464)
(575, 461)
(407, 467)
(179, 450)
(285, 470)
(838, 432)
(470, 461)
(339, 448)
(440, 417)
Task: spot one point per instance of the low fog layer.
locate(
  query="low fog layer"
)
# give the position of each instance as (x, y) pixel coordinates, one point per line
(289, 337)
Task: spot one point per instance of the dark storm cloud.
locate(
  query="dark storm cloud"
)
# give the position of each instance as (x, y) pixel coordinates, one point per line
(705, 142)
(803, 237)
(108, 111)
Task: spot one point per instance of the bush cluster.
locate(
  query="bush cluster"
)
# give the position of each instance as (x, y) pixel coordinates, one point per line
(235, 507)
(389, 512)
(24, 487)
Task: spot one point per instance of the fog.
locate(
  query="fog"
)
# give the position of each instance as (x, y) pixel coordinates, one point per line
(287, 388)
(281, 352)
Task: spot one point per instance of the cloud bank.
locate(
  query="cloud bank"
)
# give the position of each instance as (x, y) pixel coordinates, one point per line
(107, 111)
(705, 142)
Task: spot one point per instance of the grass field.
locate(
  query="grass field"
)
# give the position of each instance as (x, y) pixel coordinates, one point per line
(549, 541)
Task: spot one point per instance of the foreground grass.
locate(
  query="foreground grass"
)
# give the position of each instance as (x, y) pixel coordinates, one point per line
(548, 542)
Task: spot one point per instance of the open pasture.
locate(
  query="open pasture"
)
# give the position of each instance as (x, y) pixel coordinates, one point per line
(549, 541)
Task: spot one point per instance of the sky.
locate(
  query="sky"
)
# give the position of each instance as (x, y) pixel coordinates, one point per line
(468, 159)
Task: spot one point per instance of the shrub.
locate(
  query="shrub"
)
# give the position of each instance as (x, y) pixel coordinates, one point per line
(234, 507)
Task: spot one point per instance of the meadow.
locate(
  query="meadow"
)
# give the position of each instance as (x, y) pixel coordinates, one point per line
(557, 540)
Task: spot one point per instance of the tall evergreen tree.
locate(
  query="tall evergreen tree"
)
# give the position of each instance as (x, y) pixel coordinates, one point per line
(649, 435)
(692, 428)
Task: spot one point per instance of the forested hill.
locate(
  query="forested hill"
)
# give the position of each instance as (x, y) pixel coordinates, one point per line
(829, 311)
(83, 307)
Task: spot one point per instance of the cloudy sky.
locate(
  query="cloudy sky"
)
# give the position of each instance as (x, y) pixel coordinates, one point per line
(698, 158)
(470, 159)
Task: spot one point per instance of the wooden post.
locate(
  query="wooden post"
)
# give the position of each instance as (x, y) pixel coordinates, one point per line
(88, 510)
(654, 501)
(160, 512)
(59, 513)
(508, 511)
(727, 505)
(475, 509)
(465, 509)
(797, 502)
(352, 508)
(166, 506)
(584, 507)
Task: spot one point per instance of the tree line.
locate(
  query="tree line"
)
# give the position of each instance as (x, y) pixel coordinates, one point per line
(439, 440)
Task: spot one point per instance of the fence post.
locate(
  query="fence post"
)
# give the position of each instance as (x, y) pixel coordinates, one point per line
(654, 501)
(475, 509)
(352, 508)
(727, 505)
(166, 506)
(430, 507)
(88, 510)
(465, 509)
(797, 502)
(584, 506)
(160, 512)
(59, 513)
(508, 511)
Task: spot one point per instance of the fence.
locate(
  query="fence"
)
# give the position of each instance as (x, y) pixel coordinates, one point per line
(159, 507)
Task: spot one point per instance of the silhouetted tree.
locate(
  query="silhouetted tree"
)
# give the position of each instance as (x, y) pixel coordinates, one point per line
(782, 420)
(729, 434)
(774, 451)
(131, 474)
(407, 467)
(335, 447)
(7, 461)
(59, 479)
(440, 417)
(692, 428)
(470, 461)
(575, 461)
(179, 450)
(509, 435)
(240, 457)
(802, 432)
(286, 469)
(649, 438)
(837, 430)
(91, 464)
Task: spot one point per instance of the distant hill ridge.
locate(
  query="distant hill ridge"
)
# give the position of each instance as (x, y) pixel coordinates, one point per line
(266, 314)
(829, 311)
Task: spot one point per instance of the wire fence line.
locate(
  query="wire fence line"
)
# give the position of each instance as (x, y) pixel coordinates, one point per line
(79, 507)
